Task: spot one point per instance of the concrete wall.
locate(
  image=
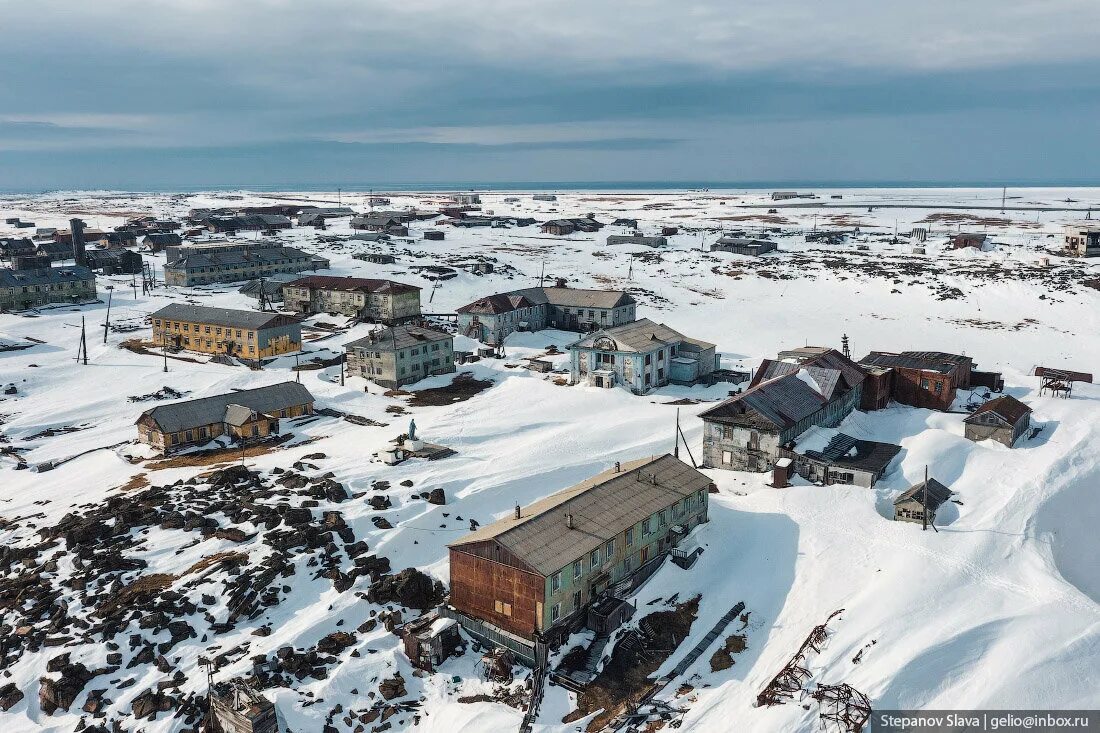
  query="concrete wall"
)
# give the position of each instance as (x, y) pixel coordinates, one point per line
(23, 297)
(393, 369)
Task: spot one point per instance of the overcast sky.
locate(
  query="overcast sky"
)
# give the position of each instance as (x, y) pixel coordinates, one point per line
(121, 94)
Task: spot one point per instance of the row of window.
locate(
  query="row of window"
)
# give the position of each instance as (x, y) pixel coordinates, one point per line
(71, 285)
(205, 329)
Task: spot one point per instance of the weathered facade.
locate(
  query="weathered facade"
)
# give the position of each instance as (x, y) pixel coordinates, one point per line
(491, 319)
(1003, 419)
(236, 708)
(34, 286)
(917, 505)
(234, 262)
(249, 414)
(640, 356)
(928, 379)
(828, 456)
(750, 431)
(239, 333)
(537, 571)
(384, 301)
(1082, 239)
(614, 239)
(744, 246)
(401, 355)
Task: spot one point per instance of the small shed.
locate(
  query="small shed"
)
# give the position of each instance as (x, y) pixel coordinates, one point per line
(434, 235)
(1003, 419)
(744, 246)
(236, 708)
(540, 365)
(430, 640)
(915, 503)
(781, 474)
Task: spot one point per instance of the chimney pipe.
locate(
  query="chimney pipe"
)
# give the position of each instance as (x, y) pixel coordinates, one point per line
(517, 511)
(569, 521)
(618, 467)
(76, 233)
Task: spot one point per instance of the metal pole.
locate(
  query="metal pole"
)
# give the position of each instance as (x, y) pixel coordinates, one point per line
(343, 358)
(924, 514)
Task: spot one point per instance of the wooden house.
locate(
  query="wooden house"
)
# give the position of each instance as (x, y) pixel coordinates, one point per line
(1003, 419)
(536, 572)
(243, 334)
(927, 379)
(400, 355)
(744, 246)
(752, 430)
(915, 505)
(236, 708)
(430, 639)
(369, 299)
(243, 416)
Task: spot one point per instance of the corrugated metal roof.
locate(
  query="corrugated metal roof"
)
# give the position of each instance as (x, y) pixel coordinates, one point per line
(190, 414)
(562, 297)
(367, 285)
(929, 361)
(41, 276)
(221, 316)
(602, 507)
(781, 402)
(639, 336)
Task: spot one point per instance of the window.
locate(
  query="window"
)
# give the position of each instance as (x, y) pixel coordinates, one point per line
(628, 563)
(924, 383)
(662, 518)
(648, 359)
(578, 568)
(608, 550)
(595, 558)
(187, 436)
(555, 612)
(504, 608)
(576, 600)
(555, 582)
(727, 432)
(646, 524)
(727, 457)
(630, 537)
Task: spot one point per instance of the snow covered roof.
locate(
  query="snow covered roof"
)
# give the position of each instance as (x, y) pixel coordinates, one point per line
(937, 494)
(642, 335)
(366, 285)
(929, 361)
(778, 403)
(398, 337)
(602, 507)
(1006, 407)
(835, 448)
(190, 414)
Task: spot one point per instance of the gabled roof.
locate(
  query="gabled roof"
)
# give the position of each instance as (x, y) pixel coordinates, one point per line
(776, 404)
(398, 337)
(41, 276)
(835, 448)
(642, 335)
(366, 285)
(191, 414)
(811, 356)
(1006, 407)
(221, 316)
(602, 507)
(937, 494)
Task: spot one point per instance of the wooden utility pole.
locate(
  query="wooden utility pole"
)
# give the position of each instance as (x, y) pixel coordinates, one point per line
(343, 359)
(676, 443)
(107, 321)
(83, 348)
(924, 514)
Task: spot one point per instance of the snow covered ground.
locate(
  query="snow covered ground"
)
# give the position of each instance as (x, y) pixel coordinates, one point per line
(997, 609)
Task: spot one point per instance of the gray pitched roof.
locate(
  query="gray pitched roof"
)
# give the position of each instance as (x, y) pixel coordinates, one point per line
(398, 337)
(40, 276)
(191, 414)
(929, 361)
(562, 297)
(192, 258)
(221, 316)
(846, 451)
(641, 336)
(779, 403)
(603, 507)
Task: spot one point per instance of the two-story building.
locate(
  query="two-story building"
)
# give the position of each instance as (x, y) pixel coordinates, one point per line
(239, 333)
(392, 357)
(249, 414)
(640, 356)
(752, 430)
(1082, 239)
(31, 284)
(368, 299)
(491, 319)
(226, 262)
(537, 572)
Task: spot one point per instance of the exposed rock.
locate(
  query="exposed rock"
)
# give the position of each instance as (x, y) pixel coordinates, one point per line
(10, 695)
(392, 687)
(437, 497)
(410, 588)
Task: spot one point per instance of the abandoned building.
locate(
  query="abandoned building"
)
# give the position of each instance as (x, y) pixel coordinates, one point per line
(562, 227)
(914, 504)
(613, 239)
(270, 286)
(640, 356)
(828, 456)
(114, 261)
(157, 241)
(315, 215)
(974, 240)
(1082, 239)
(387, 224)
(491, 319)
(222, 262)
(30, 284)
(744, 246)
(537, 572)
(400, 355)
(928, 379)
(56, 251)
(249, 414)
(1003, 419)
(12, 247)
(751, 431)
(467, 199)
(430, 639)
(236, 708)
(245, 222)
(384, 301)
(243, 334)
(544, 197)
